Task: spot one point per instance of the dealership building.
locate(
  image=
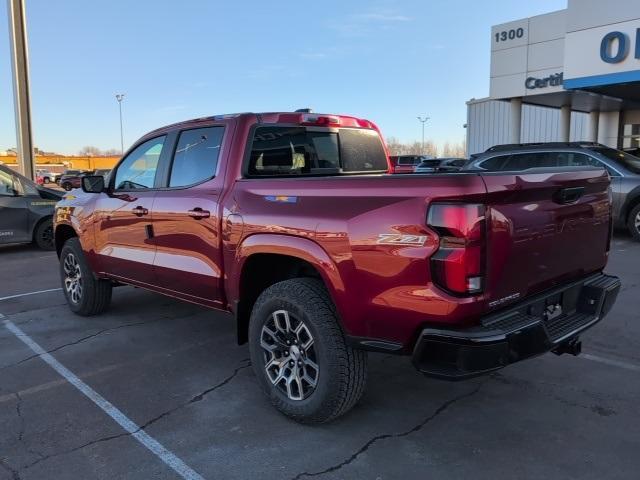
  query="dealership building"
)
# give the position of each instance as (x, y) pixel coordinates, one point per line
(569, 75)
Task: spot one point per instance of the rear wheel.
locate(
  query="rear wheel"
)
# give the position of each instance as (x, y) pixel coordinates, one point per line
(43, 235)
(300, 355)
(633, 222)
(85, 294)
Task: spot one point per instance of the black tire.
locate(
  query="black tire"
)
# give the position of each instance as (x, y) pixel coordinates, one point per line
(95, 294)
(342, 370)
(46, 180)
(633, 222)
(67, 186)
(43, 235)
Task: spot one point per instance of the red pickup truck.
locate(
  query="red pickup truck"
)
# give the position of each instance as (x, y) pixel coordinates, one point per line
(290, 222)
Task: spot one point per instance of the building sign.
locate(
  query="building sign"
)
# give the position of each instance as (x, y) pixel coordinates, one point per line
(602, 55)
(555, 80)
(614, 47)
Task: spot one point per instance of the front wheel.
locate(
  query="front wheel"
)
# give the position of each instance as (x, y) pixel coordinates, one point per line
(85, 294)
(67, 186)
(633, 222)
(300, 355)
(43, 235)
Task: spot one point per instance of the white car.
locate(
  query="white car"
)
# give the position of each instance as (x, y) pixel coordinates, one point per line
(47, 176)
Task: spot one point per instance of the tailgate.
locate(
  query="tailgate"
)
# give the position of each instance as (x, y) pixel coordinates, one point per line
(544, 229)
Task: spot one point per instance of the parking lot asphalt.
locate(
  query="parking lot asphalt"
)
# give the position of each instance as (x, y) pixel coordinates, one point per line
(174, 370)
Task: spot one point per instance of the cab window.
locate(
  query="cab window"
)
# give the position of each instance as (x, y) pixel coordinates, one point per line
(138, 170)
(196, 157)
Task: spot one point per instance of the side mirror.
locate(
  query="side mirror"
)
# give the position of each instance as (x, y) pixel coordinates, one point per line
(93, 183)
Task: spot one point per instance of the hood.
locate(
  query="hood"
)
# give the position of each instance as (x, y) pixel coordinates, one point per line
(50, 194)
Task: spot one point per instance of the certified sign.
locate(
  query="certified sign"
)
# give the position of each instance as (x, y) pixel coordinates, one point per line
(554, 80)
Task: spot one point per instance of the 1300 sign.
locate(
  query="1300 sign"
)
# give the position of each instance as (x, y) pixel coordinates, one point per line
(512, 34)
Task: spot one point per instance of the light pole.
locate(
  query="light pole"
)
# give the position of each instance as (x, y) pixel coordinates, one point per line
(423, 120)
(120, 98)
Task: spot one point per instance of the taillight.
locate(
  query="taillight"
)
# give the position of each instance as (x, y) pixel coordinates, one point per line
(319, 120)
(459, 264)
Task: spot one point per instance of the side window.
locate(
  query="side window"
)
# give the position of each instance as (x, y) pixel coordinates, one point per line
(196, 157)
(581, 160)
(138, 170)
(495, 164)
(532, 160)
(8, 185)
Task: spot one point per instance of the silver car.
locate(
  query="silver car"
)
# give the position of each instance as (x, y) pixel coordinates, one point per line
(623, 167)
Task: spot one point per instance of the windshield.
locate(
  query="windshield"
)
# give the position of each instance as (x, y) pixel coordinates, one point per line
(624, 159)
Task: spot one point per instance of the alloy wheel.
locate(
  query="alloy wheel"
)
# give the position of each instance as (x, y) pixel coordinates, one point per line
(636, 222)
(289, 355)
(72, 278)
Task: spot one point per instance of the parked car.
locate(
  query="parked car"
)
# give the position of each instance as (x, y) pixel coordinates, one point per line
(26, 210)
(288, 222)
(434, 165)
(70, 179)
(46, 176)
(103, 172)
(623, 167)
(406, 163)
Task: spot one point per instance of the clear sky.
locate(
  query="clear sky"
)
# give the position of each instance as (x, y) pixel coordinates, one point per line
(384, 60)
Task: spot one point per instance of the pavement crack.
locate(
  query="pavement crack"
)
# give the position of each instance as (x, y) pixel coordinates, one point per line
(75, 449)
(197, 398)
(76, 342)
(15, 474)
(441, 409)
(200, 396)
(21, 432)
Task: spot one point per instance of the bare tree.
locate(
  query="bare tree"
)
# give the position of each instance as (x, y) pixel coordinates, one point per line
(454, 149)
(90, 151)
(396, 147)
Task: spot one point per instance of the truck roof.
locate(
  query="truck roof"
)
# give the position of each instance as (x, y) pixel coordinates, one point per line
(302, 116)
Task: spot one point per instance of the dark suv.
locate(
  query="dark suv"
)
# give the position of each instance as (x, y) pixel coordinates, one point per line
(623, 168)
(26, 210)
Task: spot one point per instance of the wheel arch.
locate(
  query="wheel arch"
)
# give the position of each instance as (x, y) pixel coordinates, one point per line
(265, 259)
(631, 201)
(62, 233)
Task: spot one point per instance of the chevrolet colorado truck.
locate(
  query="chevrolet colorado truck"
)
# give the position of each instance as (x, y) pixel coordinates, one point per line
(291, 223)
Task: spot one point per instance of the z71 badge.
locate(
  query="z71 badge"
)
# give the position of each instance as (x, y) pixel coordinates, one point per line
(400, 239)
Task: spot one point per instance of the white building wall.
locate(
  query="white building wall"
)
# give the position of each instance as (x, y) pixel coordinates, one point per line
(489, 123)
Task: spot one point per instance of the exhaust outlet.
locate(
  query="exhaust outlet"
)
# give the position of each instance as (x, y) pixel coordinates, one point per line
(573, 347)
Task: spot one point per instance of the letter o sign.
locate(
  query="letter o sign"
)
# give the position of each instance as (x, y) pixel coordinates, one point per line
(606, 47)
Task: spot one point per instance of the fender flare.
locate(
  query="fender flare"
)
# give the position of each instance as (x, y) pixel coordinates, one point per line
(289, 245)
(279, 244)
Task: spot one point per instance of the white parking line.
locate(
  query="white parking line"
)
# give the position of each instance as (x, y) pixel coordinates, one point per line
(30, 293)
(609, 361)
(120, 418)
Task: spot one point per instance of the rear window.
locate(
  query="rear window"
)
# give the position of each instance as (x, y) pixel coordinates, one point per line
(300, 151)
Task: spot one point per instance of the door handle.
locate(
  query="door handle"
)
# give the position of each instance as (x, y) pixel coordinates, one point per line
(199, 213)
(139, 211)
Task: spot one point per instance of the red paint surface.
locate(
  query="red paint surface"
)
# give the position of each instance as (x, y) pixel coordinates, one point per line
(381, 291)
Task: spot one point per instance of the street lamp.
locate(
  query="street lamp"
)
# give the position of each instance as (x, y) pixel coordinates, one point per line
(423, 120)
(120, 98)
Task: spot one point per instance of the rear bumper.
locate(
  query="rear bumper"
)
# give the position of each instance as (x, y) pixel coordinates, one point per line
(522, 331)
